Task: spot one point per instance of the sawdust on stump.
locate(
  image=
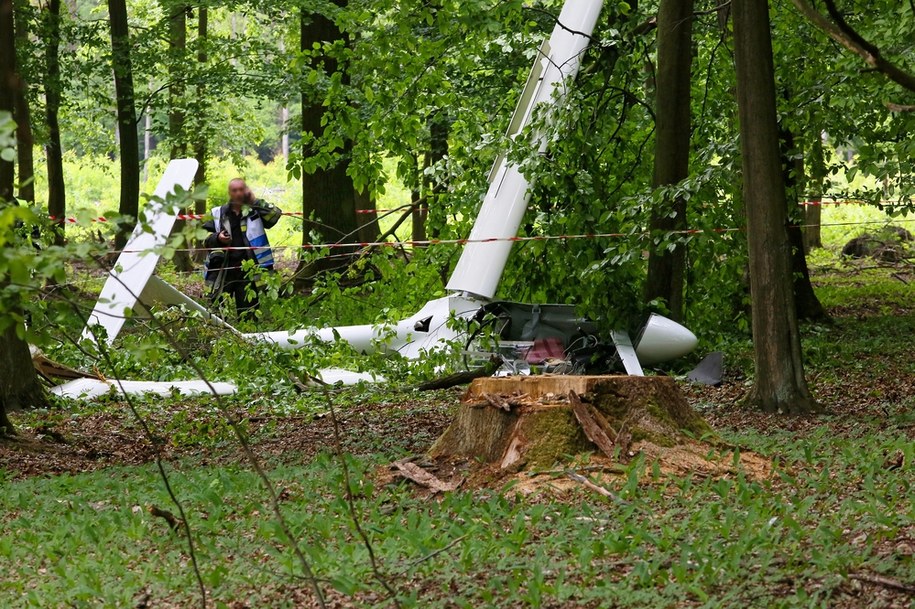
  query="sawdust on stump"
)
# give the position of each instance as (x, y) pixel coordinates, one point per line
(531, 430)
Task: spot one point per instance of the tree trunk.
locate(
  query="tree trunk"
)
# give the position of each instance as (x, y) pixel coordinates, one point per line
(128, 138)
(432, 188)
(8, 84)
(19, 384)
(805, 299)
(53, 91)
(200, 133)
(666, 268)
(420, 206)
(780, 385)
(329, 200)
(147, 137)
(177, 46)
(25, 140)
(367, 218)
(284, 133)
(813, 213)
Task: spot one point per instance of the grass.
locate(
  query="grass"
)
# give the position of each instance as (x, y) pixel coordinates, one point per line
(835, 517)
(87, 540)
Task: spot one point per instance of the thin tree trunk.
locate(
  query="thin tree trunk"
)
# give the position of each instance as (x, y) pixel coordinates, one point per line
(284, 137)
(53, 91)
(813, 213)
(177, 43)
(200, 133)
(805, 299)
(368, 218)
(418, 218)
(666, 268)
(780, 385)
(439, 128)
(147, 136)
(25, 140)
(128, 137)
(8, 83)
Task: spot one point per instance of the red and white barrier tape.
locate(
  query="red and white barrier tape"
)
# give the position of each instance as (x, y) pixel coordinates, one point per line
(364, 244)
(297, 214)
(851, 202)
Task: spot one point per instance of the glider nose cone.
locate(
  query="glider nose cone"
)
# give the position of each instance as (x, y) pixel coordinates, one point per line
(662, 340)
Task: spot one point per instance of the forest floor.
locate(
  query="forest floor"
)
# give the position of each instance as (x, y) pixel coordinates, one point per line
(834, 525)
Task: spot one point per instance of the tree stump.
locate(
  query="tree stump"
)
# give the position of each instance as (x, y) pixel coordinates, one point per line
(539, 421)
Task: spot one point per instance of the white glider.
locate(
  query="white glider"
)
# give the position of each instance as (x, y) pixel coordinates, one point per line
(476, 277)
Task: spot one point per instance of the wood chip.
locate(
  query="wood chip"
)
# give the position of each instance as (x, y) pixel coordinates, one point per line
(585, 413)
(496, 401)
(416, 474)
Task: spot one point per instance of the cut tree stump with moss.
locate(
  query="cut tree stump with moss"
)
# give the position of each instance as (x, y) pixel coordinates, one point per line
(537, 422)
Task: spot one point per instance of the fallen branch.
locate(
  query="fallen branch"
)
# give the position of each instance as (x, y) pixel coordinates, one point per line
(600, 490)
(416, 474)
(882, 580)
(302, 387)
(606, 469)
(462, 378)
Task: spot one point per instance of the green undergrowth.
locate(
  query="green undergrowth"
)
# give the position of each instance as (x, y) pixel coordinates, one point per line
(838, 506)
(833, 509)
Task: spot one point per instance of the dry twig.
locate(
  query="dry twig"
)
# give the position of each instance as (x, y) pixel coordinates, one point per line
(600, 490)
(883, 580)
(416, 474)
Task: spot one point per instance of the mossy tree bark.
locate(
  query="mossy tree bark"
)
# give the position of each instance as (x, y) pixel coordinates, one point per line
(780, 384)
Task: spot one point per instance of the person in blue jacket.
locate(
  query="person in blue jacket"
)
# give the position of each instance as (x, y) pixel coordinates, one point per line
(239, 233)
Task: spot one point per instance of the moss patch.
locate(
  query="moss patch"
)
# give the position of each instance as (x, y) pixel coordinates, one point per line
(550, 435)
(649, 408)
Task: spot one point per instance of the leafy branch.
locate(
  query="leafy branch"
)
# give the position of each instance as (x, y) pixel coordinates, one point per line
(837, 28)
